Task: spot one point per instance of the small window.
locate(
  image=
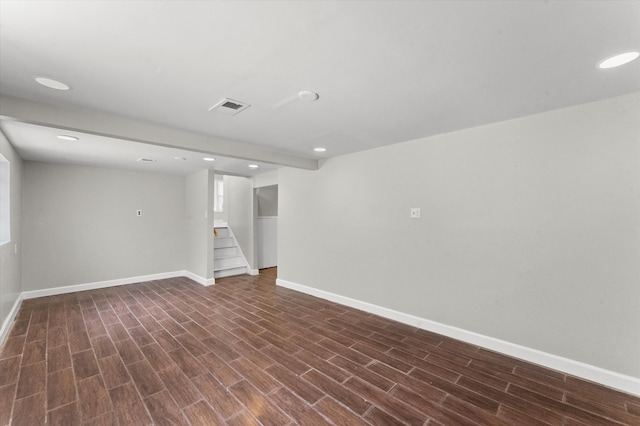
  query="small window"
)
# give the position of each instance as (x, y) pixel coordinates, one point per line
(5, 196)
(218, 196)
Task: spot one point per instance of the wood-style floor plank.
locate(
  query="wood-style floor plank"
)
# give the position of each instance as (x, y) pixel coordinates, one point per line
(246, 352)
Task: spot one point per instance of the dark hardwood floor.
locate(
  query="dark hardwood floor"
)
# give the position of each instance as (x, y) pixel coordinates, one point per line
(246, 352)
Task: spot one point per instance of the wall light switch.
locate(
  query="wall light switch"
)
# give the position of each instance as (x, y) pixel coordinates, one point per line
(138, 212)
(414, 213)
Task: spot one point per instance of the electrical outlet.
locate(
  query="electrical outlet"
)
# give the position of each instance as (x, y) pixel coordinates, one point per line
(414, 213)
(138, 212)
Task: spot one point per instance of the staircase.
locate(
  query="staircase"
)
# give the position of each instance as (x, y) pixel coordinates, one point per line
(228, 259)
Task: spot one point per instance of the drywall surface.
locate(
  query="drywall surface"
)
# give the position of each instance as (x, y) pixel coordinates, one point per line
(199, 223)
(10, 253)
(222, 217)
(80, 225)
(267, 197)
(530, 230)
(240, 214)
(265, 179)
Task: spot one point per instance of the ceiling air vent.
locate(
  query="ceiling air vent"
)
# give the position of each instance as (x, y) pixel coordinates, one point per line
(229, 107)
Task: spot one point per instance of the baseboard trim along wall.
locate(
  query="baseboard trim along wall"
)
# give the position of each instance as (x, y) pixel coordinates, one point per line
(100, 284)
(6, 325)
(112, 283)
(200, 280)
(608, 378)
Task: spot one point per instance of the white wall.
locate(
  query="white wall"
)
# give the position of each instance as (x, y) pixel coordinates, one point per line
(267, 198)
(223, 216)
(267, 241)
(530, 230)
(10, 260)
(240, 205)
(265, 179)
(199, 223)
(79, 224)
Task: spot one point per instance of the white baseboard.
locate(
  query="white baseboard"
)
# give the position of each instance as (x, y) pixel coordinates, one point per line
(99, 284)
(200, 280)
(253, 271)
(112, 283)
(608, 378)
(6, 325)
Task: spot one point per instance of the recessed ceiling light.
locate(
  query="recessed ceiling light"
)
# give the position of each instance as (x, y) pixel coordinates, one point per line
(179, 158)
(52, 84)
(254, 166)
(621, 59)
(146, 160)
(209, 159)
(68, 138)
(320, 149)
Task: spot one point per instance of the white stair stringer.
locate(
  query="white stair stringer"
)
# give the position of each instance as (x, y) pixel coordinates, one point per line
(228, 259)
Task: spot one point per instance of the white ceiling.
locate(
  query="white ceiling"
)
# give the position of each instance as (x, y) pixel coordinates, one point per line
(386, 71)
(41, 143)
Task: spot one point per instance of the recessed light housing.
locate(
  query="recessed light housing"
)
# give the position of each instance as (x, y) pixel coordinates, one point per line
(146, 160)
(51, 83)
(68, 138)
(209, 159)
(320, 149)
(180, 158)
(617, 60)
(254, 166)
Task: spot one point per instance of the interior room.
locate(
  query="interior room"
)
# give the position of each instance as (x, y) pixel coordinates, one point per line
(311, 212)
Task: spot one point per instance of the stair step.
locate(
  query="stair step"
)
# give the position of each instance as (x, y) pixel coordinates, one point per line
(230, 272)
(228, 262)
(222, 252)
(222, 242)
(223, 232)
(227, 257)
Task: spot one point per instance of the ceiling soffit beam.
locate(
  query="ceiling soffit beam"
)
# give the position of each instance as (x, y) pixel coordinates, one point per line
(111, 125)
